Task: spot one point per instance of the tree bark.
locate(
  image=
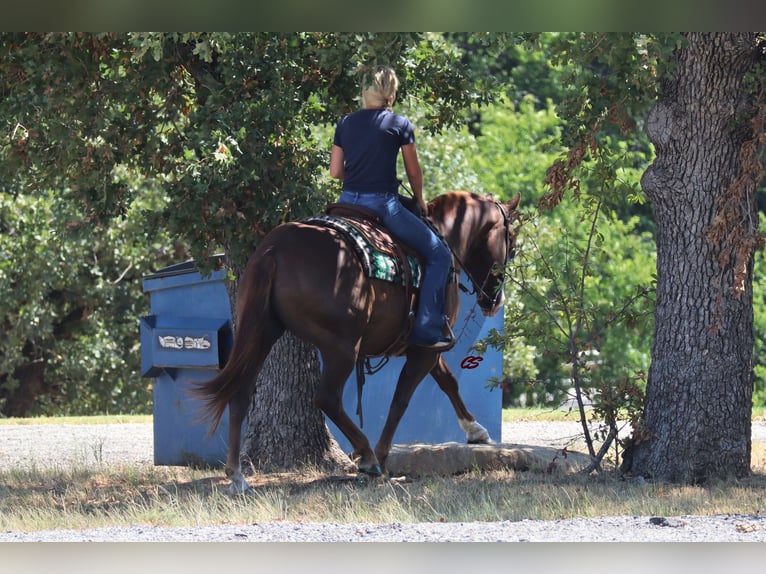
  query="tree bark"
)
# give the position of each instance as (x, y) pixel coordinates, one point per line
(18, 400)
(284, 430)
(699, 392)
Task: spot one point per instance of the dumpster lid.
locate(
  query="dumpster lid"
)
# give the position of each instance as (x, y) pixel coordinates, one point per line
(181, 268)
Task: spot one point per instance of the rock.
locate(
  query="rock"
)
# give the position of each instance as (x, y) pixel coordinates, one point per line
(453, 458)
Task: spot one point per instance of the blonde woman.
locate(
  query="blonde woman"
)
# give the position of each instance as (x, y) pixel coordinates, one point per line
(364, 154)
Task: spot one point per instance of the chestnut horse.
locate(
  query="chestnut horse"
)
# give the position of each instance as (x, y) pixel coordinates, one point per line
(307, 279)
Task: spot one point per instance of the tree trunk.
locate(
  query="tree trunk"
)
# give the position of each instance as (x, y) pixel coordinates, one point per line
(699, 391)
(18, 400)
(284, 430)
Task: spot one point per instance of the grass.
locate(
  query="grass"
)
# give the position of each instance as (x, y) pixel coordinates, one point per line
(514, 415)
(83, 420)
(508, 415)
(81, 496)
(171, 496)
(559, 414)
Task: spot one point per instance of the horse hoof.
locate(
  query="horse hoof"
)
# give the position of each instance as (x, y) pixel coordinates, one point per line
(373, 470)
(483, 440)
(238, 487)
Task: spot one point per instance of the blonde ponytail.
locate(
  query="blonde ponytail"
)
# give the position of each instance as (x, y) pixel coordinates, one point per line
(379, 91)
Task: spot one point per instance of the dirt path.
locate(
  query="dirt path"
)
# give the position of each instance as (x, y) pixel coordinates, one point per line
(48, 446)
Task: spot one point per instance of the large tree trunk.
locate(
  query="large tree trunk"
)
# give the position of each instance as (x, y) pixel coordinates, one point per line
(699, 391)
(284, 430)
(18, 400)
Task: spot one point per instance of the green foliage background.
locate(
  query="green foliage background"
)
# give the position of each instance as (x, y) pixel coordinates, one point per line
(123, 153)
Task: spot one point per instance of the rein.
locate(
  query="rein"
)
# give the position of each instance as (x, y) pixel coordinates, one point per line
(476, 287)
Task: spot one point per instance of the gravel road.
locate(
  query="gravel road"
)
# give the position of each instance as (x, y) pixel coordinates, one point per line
(47, 446)
(132, 443)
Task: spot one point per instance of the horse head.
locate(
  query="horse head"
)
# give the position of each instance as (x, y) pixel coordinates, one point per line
(482, 235)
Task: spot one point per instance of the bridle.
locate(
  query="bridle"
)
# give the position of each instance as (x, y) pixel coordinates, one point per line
(508, 254)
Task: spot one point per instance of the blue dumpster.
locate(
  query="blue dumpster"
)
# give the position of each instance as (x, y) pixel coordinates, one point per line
(186, 338)
(188, 335)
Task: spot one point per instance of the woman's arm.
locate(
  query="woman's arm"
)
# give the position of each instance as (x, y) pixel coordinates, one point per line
(337, 170)
(414, 174)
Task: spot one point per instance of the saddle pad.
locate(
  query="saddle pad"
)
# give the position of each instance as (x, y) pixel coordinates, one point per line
(373, 247)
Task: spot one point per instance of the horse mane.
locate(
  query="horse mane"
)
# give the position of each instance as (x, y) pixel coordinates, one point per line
(458, 194)
(448, 210)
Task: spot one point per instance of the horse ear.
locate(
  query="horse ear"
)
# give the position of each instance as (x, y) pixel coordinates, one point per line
(514, 203)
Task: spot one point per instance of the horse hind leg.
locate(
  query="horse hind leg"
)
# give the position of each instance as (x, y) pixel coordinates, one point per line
(237, 412)
(474, 432)
(239, 406)
(337, 366)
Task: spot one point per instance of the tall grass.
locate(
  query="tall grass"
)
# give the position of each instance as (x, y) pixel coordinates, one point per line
(81, 495)
(76, 498)
(84, 420)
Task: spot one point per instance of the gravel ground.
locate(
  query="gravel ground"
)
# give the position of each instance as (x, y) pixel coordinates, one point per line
(48, 446)
(51, 445)
(727, 528)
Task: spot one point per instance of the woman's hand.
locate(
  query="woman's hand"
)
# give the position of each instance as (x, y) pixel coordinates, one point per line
(423, 206)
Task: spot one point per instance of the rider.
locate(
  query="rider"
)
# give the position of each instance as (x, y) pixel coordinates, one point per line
(364, 155)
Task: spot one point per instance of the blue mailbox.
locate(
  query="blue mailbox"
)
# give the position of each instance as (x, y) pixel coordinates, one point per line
(185, 339)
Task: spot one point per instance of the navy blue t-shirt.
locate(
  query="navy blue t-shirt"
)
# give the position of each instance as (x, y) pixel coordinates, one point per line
(371, 139)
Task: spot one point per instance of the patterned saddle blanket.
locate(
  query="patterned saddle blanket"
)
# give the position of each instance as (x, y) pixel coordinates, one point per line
(381, 256)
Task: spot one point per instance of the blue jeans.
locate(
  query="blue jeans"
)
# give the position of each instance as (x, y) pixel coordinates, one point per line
(437, 260)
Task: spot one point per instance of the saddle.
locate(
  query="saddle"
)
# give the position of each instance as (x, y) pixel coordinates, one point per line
(381, 256)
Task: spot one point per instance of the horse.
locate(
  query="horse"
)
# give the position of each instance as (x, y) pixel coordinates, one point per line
(306, 278)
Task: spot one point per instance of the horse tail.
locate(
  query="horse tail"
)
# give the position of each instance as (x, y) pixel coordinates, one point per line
(250, 345)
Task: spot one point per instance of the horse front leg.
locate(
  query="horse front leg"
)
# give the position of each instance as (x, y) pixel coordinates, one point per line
(417, 366)
(475, 433)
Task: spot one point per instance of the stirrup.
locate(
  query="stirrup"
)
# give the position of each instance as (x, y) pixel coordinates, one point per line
(442, 344)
